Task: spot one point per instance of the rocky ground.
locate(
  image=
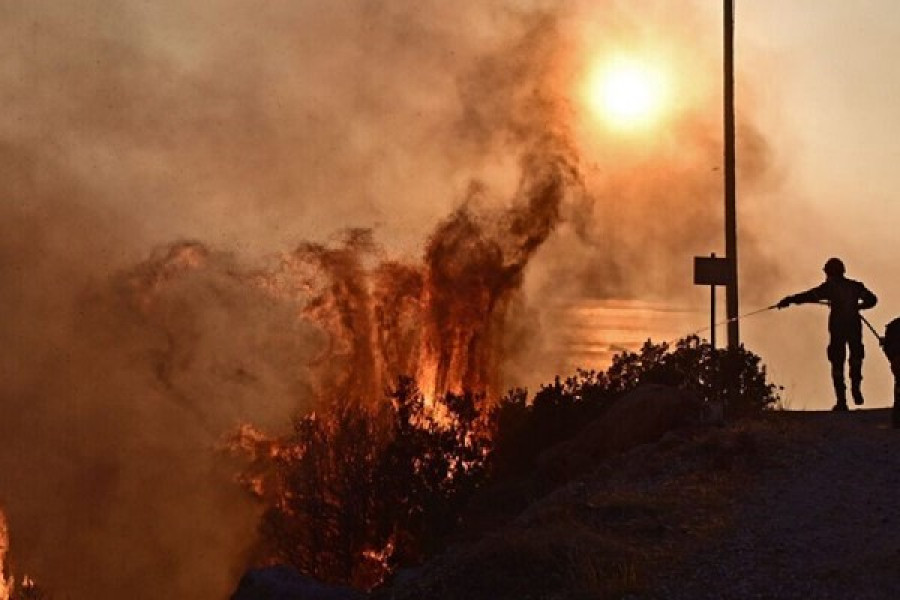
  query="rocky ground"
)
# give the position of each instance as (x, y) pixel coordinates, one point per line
(822, 521)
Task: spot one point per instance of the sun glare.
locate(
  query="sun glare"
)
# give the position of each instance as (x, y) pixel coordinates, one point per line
(626, 93)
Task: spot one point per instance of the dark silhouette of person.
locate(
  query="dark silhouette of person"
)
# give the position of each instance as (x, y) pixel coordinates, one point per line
(846, 298)
(891, 345)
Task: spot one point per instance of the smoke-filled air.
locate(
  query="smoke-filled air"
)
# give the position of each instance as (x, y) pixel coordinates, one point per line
(217, 217)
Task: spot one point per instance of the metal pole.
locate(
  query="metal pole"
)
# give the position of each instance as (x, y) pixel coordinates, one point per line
(712, 312)
(731, 290)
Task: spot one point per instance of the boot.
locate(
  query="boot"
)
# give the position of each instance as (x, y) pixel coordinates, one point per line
(857, 394)
(841, 395)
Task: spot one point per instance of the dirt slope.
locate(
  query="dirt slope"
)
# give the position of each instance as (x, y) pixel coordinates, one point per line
(788, 506)
(822, 521)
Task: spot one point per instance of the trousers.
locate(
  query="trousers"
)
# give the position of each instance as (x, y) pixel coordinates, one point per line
(843, 337)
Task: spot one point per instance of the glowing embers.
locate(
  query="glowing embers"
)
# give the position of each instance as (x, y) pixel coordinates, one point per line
(626, 93)
(28, 588)
(6, 585)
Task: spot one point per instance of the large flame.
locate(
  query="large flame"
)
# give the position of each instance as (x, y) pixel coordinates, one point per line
(441, 321)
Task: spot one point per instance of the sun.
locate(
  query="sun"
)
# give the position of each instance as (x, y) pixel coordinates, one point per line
(626, 93)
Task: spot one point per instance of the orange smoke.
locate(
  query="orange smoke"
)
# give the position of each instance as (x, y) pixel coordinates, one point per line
(441, 321)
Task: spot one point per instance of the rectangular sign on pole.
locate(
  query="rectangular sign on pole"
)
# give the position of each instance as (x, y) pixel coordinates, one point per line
(711, 270)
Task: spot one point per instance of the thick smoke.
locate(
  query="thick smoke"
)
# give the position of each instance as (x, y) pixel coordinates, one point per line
(438, 141)
(115, 393)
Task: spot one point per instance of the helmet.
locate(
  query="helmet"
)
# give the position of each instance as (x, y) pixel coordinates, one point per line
(834, 267)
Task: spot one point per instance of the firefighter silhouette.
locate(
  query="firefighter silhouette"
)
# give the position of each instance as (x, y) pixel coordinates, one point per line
(891, 345)
(846, 298)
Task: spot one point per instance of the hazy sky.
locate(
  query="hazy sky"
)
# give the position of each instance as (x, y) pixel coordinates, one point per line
(838, 76)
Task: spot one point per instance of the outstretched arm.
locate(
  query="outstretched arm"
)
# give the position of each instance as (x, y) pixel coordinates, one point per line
(810, 296)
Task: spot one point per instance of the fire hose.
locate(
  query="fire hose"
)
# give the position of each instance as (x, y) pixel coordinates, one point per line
(864, 320)
(733, 319)
(872, 329)
(774, 306)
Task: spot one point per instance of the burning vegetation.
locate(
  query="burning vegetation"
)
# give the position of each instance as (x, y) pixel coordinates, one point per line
(365, 483)
(27, 588)
(6, 580)
(352, 495)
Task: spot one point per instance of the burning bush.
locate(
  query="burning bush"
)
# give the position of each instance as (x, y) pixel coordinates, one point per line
(357, 496)
(9, 590)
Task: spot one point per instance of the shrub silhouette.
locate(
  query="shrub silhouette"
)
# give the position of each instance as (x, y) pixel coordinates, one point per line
(735, 379)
